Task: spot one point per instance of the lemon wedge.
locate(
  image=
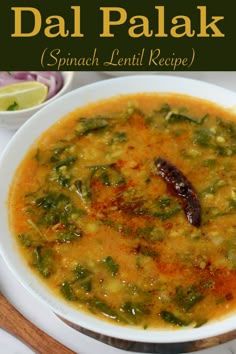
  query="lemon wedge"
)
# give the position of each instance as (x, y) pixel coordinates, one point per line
(22, 95)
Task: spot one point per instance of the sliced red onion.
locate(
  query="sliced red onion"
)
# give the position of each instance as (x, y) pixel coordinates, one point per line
(6, 79)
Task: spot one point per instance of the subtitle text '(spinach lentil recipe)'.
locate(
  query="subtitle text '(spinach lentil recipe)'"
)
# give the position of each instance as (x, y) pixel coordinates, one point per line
(126, 208)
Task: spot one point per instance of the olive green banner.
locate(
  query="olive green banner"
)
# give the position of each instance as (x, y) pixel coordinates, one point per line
(150, 35)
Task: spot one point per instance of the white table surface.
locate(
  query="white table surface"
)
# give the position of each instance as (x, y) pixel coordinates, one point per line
(37, 312)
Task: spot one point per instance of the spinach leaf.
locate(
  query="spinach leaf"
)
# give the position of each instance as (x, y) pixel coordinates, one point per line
(103, 307)
(210, 213)
(104, 178)
(107, 174)
(227, 126)
(209, 163)
(60, 152)
(88, 125)
(52, 200)
(83, 276)
(164, 208)
(214, 187)
(25, 239)
(171, 318)
(83, 189)
(117, 226)
(81, 272)
(147, 251)
(69, 236)
(67, 291)
(82, 280)
(187, 297)
(152, 233)
(134, 311)
(111, 265)
(43, 260)
(13, 107)
(178, 117)
(55, 208)
(119, 137)
(66, 162)
(232, 204)
(203, 137)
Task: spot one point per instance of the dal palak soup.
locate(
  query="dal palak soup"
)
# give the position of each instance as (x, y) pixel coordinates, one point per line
(126, 208)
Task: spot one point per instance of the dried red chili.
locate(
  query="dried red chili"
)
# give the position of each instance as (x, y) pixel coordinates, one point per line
(181, 187)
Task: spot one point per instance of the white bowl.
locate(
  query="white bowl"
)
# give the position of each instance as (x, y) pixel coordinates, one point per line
(15, 152)
(14, 119)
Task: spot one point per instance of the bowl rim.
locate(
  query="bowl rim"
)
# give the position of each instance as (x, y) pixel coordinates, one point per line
(31, 130)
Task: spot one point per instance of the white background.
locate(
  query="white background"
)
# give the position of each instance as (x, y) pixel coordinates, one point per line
(37, 312)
